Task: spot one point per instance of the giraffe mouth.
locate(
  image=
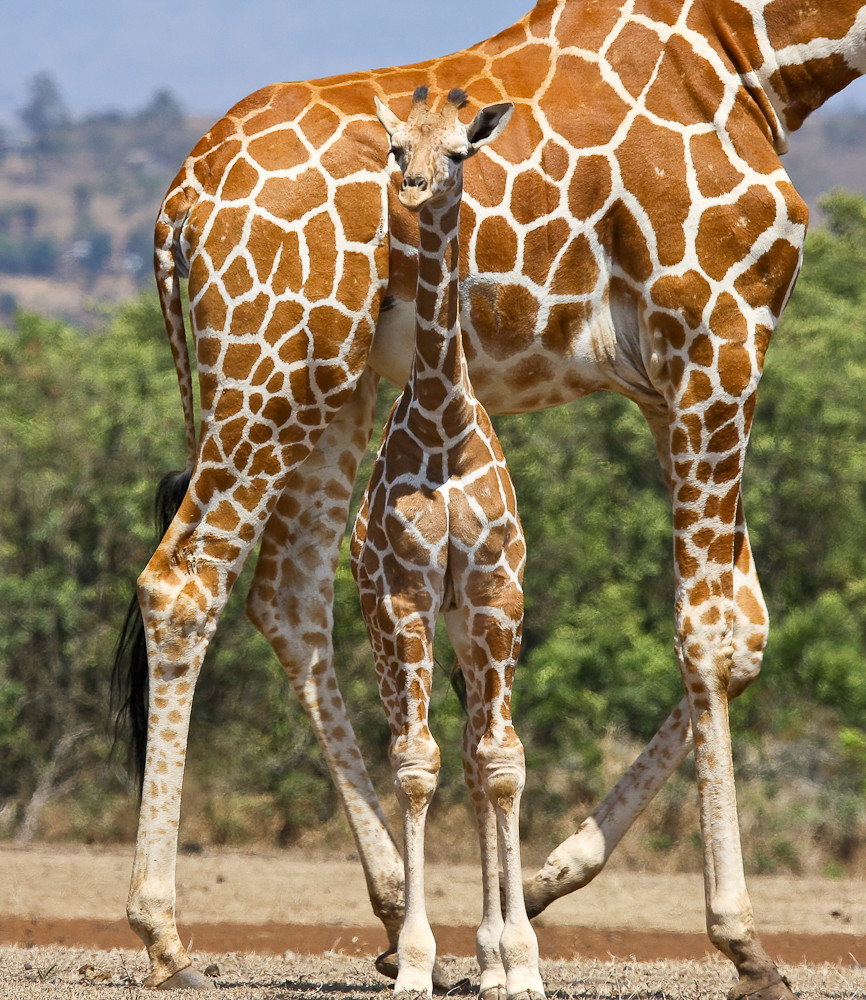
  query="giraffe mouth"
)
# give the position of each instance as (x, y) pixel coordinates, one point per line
(414, 198)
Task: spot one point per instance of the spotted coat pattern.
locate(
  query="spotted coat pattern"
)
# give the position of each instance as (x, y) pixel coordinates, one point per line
(633, 231)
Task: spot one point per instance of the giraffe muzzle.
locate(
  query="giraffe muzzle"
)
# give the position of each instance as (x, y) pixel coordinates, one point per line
(414, 192)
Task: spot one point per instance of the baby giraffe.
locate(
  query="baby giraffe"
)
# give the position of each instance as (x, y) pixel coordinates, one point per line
(438, 531)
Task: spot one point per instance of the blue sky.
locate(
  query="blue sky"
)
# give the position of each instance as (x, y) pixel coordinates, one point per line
(115, 54)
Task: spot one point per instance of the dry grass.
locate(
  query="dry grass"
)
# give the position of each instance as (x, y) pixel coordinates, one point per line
(76, 974)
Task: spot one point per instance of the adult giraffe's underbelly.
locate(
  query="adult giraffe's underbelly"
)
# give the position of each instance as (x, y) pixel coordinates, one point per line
(515, 378)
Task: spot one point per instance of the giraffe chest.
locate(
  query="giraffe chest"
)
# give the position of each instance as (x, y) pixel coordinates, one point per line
(440, 501)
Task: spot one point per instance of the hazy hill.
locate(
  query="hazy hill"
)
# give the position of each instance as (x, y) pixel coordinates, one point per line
(77, 208)
(78, 201)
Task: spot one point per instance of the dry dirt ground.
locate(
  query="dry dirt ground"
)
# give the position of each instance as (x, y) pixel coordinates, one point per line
(289, 925)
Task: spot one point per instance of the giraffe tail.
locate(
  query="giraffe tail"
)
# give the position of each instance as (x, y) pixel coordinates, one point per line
(129, 674)
(458, 685)
(170, 265)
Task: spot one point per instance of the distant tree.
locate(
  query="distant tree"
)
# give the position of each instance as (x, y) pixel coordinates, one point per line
(19, 218)
(22, 249)
(163, 108)
(82, 197)
(162, 131)
(85, 422)
(45, 110)
(138, 253)
(91, 250)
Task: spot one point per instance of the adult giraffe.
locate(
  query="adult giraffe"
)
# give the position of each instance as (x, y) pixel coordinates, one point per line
(634, 231)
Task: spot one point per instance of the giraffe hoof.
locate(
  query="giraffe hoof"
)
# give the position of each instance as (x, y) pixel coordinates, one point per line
(386, 963)
(441, 979)
(528, 995)
(493, 993)
(187, 979)
(770, 986)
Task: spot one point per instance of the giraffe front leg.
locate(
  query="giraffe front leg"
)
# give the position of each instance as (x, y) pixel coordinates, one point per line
(706, 514)
(488, 647)
(489, 934)
(402, 641)
(415, 761)
(401, 636)
(503, 771)
(705, 656)
(577, 860)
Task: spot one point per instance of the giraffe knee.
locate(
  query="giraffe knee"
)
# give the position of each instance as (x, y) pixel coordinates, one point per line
(178, 615)
(751, 631)
(261, 608)
(502, 765)
(415, 763)
(748, 657)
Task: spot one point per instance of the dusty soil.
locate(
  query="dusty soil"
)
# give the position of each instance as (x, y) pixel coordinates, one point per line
(260, 917)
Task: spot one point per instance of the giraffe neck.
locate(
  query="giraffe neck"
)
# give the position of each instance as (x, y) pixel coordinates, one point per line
(439, 371)
(791, 58)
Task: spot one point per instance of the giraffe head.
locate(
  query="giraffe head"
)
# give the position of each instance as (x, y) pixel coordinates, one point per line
(430, 146)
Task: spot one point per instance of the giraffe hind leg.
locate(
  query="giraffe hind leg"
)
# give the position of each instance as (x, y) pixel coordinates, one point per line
(182, 593)
(294, 584)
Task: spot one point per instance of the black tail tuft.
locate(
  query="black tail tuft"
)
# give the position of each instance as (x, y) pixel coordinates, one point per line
(458, 684)
(129, 676)
(129, 690)
(169, 496)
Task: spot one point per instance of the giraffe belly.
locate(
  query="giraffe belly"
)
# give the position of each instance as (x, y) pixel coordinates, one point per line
(533, 377)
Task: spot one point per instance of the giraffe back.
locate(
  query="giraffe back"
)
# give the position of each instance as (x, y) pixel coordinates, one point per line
(636, 201)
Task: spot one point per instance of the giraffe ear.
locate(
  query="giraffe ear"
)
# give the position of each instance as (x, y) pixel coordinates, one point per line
(487, 125)
(386, 116)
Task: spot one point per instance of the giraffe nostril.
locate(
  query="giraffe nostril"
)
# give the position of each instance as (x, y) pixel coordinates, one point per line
(416, 181)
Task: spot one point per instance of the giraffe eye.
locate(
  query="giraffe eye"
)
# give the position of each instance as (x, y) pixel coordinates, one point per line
(456, 156)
